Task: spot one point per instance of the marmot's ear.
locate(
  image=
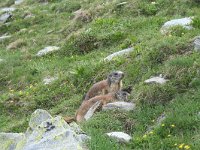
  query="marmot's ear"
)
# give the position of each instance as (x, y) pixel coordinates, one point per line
(128, 89)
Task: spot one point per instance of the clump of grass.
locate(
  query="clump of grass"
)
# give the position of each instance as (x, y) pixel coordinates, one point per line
(156, 94)
(178, 31)
(148, 8)
(196, 22)
(66, 6)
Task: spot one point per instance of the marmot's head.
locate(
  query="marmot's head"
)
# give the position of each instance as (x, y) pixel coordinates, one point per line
(115, 77)
(122, 95)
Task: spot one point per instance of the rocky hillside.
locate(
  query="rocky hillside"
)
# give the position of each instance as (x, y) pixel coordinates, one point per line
(52, 51)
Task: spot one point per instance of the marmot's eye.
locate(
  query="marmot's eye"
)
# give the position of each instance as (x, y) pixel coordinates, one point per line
(115, 74)
(124, 94)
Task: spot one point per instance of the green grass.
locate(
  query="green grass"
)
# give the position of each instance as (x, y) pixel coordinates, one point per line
(78, 64)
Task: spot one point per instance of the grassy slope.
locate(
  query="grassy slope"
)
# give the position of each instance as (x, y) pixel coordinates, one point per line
(112, 28)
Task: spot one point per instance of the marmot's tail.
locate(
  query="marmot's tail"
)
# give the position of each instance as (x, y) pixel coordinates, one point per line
(69, 119)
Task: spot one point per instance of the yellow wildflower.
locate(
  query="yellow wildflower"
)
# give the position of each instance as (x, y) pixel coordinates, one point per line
(163, 125)
(31, 86)
(144, 136)
(168, 135)
(20, 92)
(187, 147)
(153, 120)
(11, 90)
(173, 125)
(181, 145)
(151, 132)
(175, 144)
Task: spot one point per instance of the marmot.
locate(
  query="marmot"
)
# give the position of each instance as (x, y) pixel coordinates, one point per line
(113, 83)
(103, 99)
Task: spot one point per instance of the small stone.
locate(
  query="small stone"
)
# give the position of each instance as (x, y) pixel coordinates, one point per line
(122, 3)
(47, 50)
(120, 53)
(119, 105)
(4, 17)
(197, 44)
(8, 9)
(158, 122)
(158, 79)
(49, 80)
(4, 37)
(184, 22)
(120, 136)
(38, 117)
(91, 111)
(17, 2)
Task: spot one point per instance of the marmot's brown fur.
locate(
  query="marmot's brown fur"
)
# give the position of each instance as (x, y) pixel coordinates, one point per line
(121, 95)
(113, 83)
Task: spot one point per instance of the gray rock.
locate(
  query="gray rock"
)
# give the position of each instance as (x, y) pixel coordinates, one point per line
(9, 141)
(184, 22)
(120, 53)
(53, 134)
(38, 117)
(76, 128)
(49, 80)
(122, 3)
(197, 44)
(45, 133)
(47, 50)
(4, 37)
(17, 2)
(4, 17)
(8, 9)
(158, 79)
(91, 111)
(125, 106)
(120, 136)
(158, 122)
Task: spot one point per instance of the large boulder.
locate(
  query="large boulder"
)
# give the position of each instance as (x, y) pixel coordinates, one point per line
(46, 132)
